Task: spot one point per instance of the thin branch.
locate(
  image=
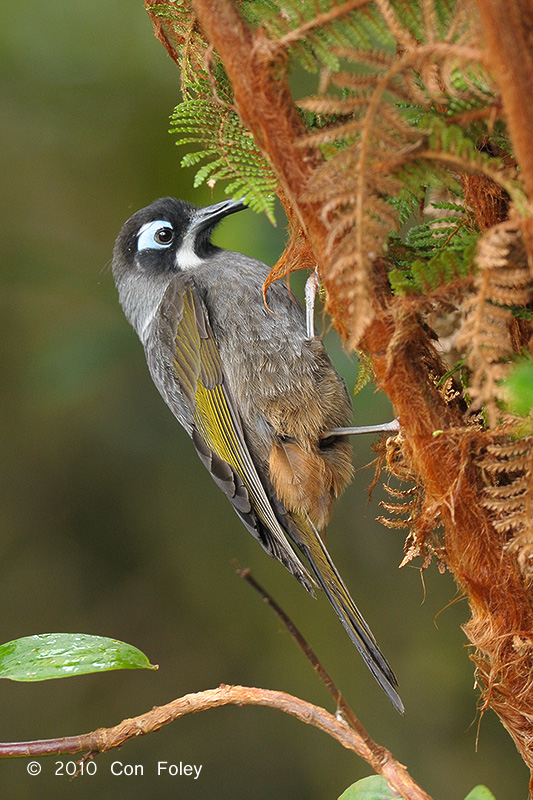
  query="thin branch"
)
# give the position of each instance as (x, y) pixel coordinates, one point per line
(383, 761)
(307, 650)
(105, 739)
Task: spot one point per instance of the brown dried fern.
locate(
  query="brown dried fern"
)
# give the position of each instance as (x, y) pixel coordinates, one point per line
(411, 507)
(375, 141)
(508, 465)
(504, 281)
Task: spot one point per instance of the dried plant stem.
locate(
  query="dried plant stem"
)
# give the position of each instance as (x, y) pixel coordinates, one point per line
(304, 646)
(396, 774)
(508, 29)
(104, 739)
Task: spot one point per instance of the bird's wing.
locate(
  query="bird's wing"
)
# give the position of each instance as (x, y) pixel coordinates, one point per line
(206, 409)
(203, 404)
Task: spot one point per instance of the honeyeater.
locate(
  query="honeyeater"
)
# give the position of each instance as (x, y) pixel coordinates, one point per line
(258, 395)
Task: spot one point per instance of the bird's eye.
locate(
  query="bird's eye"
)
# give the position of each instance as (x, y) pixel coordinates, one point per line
(155, 235)
(164, 236)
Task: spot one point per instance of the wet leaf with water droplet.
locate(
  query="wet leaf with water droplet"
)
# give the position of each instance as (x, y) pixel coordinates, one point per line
(60, 655)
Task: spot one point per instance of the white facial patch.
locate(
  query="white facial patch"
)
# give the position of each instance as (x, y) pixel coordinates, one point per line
(186, 258)
(155, 235)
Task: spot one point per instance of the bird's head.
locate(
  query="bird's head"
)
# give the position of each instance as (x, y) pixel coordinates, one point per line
(157, 242)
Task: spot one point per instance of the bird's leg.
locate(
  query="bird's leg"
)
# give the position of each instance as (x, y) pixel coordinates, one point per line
(385, 426)
(311, 288)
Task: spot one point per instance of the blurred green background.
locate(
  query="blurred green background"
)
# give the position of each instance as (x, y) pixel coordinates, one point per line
(110, 524)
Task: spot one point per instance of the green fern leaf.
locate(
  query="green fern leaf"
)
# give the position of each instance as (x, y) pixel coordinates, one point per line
(229, 152)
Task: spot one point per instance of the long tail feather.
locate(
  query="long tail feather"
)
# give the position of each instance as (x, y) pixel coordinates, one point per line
(357, 629)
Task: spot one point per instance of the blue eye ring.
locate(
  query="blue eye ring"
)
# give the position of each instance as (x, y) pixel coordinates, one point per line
(155, 235)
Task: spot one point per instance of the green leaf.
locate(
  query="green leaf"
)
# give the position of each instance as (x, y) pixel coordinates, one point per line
(480, 793)
(375, 787)
(60, 655)
(519, 385)
(365, 373)
(229, 152)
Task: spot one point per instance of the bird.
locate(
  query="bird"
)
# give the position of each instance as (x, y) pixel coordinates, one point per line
(259, 397)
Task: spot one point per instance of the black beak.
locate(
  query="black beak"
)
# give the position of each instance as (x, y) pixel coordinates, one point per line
(204, 219)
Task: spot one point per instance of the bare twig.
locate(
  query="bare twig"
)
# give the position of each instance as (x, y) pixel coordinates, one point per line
(382, 761)
(307, 650)
(104, 739)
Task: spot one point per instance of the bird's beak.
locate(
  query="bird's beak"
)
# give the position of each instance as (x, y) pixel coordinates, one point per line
(206, 218)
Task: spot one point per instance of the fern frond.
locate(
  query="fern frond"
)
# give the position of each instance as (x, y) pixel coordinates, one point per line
(365, 373)
(503, 281)
(510, 498)
(454, 148)
(314, 33)
(230, 151)
(384, 138)
(396, 78)
(191, 44)
(447, 266)
(410, 504)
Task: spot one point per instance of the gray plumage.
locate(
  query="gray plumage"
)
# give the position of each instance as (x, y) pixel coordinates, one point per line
(255, 394)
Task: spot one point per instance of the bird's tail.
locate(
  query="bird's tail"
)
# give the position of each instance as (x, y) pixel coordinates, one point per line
(331, 582)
